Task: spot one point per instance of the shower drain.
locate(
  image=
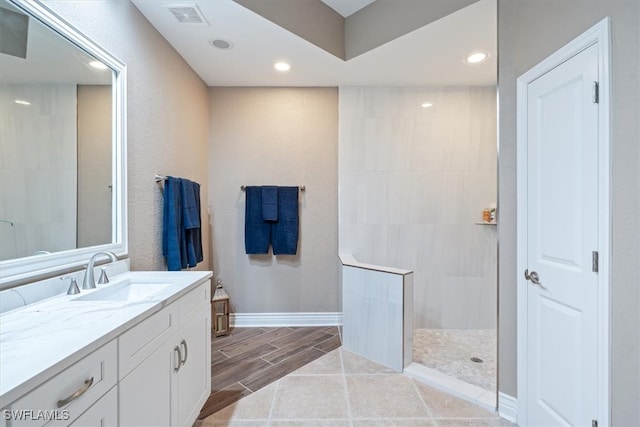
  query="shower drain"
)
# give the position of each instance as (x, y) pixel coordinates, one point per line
(476, 360)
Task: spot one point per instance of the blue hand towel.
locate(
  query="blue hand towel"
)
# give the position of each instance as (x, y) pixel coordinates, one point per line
(269, 203)
(190, 204)
(285, 231)
(172, 236)
(257, 232)
(191, 222)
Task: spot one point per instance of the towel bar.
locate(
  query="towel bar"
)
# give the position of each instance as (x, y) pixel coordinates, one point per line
(300, 187)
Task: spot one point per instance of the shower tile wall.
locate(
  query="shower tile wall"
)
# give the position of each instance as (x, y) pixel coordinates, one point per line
(413, 182)
(38, 170)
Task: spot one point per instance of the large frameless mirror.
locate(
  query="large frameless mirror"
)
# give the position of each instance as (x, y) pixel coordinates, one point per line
(62, 145)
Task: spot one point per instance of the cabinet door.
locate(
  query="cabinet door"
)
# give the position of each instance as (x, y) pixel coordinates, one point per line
(145, 394)
(194, 377)
(139, 342)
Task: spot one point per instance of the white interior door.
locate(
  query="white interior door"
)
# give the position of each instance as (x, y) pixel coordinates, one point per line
(561, 236)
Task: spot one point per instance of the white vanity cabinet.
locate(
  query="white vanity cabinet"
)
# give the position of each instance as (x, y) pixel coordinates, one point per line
(66, 396)
(93, 361)
(144, 379)
(192, 380)
(164, 377)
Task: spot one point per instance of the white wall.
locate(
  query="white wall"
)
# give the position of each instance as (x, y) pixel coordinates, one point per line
(413, 182)
(276, 136)
(37, 169)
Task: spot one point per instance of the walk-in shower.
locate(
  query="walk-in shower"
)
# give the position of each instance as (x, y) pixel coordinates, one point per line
(417, 167)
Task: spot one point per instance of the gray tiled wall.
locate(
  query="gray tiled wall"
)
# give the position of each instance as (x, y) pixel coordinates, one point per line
(413, 182)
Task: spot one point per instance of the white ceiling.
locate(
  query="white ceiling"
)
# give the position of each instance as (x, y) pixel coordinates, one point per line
(430, 56)
(347, 7)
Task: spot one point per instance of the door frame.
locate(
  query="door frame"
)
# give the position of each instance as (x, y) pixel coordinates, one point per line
(598, 34)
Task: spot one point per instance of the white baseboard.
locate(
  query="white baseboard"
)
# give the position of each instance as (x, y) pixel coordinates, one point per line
(284, 319)
(508, 407)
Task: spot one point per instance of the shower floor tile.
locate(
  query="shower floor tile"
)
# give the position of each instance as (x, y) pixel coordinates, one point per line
(450, 351)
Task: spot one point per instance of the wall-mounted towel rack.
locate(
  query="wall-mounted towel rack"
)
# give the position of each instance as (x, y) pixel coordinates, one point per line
(300, 187)
(160, 178)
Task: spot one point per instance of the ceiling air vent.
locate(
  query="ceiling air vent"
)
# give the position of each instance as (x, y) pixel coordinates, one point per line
(187, 14)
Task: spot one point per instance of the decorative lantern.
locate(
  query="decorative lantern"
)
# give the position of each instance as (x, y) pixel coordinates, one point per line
(220, 310)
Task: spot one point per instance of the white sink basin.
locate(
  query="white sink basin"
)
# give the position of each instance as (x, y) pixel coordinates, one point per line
(125, 291)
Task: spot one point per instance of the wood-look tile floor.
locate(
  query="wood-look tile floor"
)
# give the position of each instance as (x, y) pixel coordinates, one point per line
(249, 359)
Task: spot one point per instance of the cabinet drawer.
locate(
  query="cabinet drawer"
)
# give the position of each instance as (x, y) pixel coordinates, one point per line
(139, 342)
(193, 299)
(103, 413)
(79, 386)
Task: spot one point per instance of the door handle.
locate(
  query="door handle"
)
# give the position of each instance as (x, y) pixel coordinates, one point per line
(532, 277)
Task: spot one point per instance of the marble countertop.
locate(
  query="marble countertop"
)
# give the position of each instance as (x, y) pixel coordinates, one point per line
(44, 338)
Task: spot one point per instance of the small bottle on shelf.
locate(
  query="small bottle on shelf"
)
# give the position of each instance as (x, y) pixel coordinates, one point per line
(486, 215)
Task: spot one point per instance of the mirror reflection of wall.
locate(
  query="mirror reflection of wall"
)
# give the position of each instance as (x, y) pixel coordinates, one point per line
(95, 191)
(38, 168)
(55, 168)
(56, 142)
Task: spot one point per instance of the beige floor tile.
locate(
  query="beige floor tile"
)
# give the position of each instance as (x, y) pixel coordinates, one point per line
(384, 396)
(232, 423)
(253, 407)
(354, 364)
(444, 405)
(396, 422)
(341, 389)
(331, 363)
(310, 397)
(310, 423)
(478, 422)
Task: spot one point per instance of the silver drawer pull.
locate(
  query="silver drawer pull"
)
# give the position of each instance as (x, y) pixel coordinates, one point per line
(177, 350)
(184, 343)
(82, 390)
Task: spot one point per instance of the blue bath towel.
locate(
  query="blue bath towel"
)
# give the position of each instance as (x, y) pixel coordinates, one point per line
(191, 222)
(269, 202)
(257, 231)
(172, 235)
(285, 232)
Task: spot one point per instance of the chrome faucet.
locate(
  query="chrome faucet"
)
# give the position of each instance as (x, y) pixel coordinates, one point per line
(89, 281)
(73, 285)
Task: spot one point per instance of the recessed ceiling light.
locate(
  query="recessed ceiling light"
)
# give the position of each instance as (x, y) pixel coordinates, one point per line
(221, 43)
(477, 57)
(282, 66)
(21, 102)
(426, 105)
(98, 65)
